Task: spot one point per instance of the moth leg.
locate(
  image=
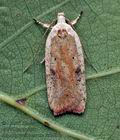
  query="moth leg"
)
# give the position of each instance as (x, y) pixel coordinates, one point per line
(45, 25)
(91, 64)
(73, 22)
(87, 59)
(41, 62)
(27, 67)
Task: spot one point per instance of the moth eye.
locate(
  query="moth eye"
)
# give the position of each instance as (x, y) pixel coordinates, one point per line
(55, 58)
(73, 57)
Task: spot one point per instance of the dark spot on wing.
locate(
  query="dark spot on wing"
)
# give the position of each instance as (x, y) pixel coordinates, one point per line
(78, 73)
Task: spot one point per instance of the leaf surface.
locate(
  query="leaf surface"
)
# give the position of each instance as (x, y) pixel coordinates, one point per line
(99, 31)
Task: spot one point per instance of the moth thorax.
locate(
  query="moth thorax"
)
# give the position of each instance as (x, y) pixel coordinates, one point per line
(61, 18)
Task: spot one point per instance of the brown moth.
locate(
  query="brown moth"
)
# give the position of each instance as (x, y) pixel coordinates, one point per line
(64, 62)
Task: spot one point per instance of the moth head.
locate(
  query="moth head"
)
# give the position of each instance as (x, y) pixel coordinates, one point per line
(61, 14)
(61, 17)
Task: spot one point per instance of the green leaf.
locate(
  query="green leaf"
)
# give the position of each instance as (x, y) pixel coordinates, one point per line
(99, 32)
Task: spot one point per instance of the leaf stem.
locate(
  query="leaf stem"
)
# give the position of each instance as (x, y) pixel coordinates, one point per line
(47, 122)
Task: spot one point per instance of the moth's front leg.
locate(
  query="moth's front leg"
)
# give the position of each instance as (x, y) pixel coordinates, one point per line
(45, 25)
(73, 22)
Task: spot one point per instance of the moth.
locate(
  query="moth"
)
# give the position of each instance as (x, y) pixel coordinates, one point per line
(65, 69)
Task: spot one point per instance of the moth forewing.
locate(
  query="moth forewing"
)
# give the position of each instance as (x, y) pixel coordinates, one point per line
(64, 64)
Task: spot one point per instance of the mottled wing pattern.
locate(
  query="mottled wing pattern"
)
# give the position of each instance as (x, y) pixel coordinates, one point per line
(65, 76)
